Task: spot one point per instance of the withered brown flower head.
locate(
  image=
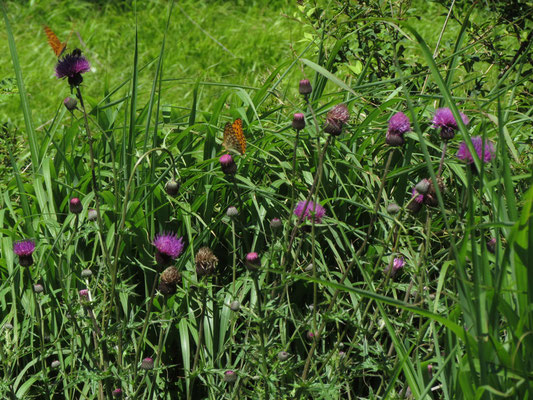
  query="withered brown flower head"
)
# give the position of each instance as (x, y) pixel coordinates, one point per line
(205, 261)
(168, 280)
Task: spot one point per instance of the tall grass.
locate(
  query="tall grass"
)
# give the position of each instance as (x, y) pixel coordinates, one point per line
(322, 316)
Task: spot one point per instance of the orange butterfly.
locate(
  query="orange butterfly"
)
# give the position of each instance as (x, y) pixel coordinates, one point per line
(56, 45)
(234, 136)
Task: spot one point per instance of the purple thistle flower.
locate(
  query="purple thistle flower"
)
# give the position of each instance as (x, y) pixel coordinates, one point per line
(24, 249)
(484, 150)
(169, 247)
(72, 66)
(312, 210)
(445, 120)
(397, 264)
(399, 124)
(117, 392)
(416, 203)
(336, 118)
(253, 262)
(227, 164)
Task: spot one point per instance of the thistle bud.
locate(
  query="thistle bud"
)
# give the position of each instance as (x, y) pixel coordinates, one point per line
(227, 164)
(70, 103)
(75, 205)
(298, 121)
(305, 87)
(172, 187)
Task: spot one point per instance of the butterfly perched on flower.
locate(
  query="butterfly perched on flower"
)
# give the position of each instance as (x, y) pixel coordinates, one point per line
(234, 136)
(57, 46)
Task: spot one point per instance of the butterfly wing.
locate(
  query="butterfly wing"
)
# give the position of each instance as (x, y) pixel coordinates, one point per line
(54, 42)
(234, 136)
(239, 134)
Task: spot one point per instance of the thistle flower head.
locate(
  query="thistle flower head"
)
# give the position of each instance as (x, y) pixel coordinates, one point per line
(205, 261)
(168, 281)
(75, 205)
(230, 376)
(336, 118)
(283, 355)
(305, 87)
(298, 121)
(72, 66)
(117, 393)
(169, 247)
(70, 103)
(232, 212)
(484, 150)
(312, 211)
(147, 363)
(399, 124)
(253, 262)
(227, 164)
(24, 249)
(275, 223)
(445, 120)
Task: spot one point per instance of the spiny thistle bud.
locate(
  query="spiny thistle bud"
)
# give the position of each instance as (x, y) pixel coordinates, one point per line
(305, 88)
(422, 187)
(232, 212)
(227, 164)
(253, 261)
(393, 208)
(298, 121)
(84, 296)
(283, 356)
(92, 215)
(70, 103)
(235, 305)
(75, 205)
(275, 224)
(230, 376)
(86, 273)
(172, 187)
(38, 288)
(147, 363)
(8, 326)
(117, 393)
(430, 198)
(205, 262)
(55, 364)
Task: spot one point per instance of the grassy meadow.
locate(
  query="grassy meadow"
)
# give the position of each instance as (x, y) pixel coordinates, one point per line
(266, 200)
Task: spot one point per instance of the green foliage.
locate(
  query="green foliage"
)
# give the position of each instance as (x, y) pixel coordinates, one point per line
(453, 322)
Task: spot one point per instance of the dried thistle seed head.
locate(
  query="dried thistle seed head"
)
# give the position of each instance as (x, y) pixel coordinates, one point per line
(168, 281)
(206, 262)
(170, 276)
